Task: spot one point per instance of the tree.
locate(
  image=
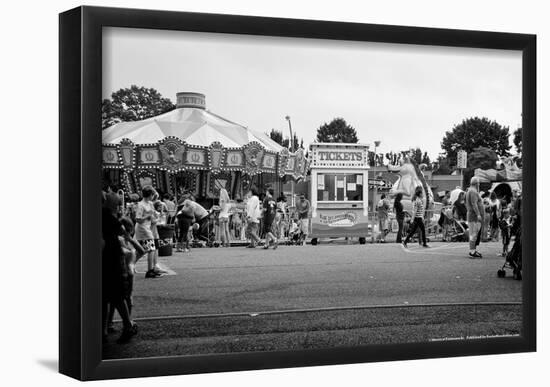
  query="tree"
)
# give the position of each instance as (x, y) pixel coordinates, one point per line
(134, 104)
(442, 166)
(276, 136)
(481, 157)
(518, 139)
(337, 131)
(426, 160)
(473, 133)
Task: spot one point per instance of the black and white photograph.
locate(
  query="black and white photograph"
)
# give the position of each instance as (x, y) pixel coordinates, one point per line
(274, 194)
(291, 193)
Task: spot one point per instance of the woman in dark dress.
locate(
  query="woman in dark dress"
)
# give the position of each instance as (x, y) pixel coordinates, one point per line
(399, 215)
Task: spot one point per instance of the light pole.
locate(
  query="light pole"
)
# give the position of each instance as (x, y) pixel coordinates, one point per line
(290, 147)
(291, 141)
(375, 193)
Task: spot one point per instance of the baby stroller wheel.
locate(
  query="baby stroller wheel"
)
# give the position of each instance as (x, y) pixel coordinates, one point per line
(517, 275)
(314, 242)
(501, 273)
(362, 240)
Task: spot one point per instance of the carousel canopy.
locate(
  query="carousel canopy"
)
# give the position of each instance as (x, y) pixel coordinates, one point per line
(190, 123)
(193, 138)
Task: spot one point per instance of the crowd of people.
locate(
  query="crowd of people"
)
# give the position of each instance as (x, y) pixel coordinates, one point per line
(485, 216)
(130, 232)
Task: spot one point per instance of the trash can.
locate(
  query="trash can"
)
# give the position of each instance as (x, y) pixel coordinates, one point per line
(166, 235)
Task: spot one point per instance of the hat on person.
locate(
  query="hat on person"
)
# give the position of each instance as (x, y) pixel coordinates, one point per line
(474, 180)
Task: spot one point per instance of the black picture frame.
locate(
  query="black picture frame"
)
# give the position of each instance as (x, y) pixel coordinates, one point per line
(80, 58)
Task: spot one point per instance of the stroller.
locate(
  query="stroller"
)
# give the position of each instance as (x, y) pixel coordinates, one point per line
(513, 259)
(454, 230)
(204, 231)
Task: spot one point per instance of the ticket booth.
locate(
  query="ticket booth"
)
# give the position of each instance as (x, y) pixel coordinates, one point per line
(339, 191)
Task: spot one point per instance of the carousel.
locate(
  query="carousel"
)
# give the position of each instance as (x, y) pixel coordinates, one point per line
(192, 149)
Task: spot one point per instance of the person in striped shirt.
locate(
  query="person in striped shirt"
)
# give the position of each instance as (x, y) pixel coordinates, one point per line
(418, 222)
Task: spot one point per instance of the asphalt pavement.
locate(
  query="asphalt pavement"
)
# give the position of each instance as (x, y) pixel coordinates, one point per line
(237, 279)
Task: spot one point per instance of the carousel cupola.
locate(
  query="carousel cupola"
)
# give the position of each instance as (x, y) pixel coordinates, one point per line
(186, 99)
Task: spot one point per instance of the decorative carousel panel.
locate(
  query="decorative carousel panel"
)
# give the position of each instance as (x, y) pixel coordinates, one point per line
(300, 165)
(145, 178)
(196, 158)
(290, 165)
(172, 152)
(127, 154)
(110, 157)
(269, 162)
(234, 160)
(283, 162)
(148, 157)
(217, 182)
(216, 157)
(253, 157)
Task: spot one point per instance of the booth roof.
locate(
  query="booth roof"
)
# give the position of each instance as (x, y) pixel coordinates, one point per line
(193, 125)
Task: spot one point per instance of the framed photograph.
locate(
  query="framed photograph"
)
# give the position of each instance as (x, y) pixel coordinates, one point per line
(243, 193)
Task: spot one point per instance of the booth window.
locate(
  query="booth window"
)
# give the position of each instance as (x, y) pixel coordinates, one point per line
(339, 187)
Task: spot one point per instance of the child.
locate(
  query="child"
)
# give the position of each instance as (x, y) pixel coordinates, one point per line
(294, 232)
(158, 218)
(505, 225)
(132, 251)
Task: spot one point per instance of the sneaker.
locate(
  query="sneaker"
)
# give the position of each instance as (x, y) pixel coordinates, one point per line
(266, 246)
(251, 247)
(404, 244)
(426, 245)
(127, 334)
(474, 255)
(158, 270)
(152, 274)
(186, 250)
(275, 245)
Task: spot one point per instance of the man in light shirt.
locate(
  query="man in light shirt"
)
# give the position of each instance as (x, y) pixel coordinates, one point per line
(475, 213)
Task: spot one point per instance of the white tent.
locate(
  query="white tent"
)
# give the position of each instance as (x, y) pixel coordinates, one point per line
(195, 126)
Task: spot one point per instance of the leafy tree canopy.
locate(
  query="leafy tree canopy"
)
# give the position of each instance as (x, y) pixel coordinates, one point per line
(337, 131)
(473, 133)
(133, 104)
(277, 136)
(518, 139)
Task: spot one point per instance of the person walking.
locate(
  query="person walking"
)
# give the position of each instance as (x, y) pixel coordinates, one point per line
(302, 207)
(253, 214)
(418, 222)
(495, 216)
(270, 211)
(475, 212)
(225, 206)
(382, 208)
(399, 215)
(145, 216)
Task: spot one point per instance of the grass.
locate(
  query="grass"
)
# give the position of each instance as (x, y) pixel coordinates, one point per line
(313, 330)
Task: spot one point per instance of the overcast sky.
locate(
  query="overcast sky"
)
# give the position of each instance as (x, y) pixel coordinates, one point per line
(402, 95)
